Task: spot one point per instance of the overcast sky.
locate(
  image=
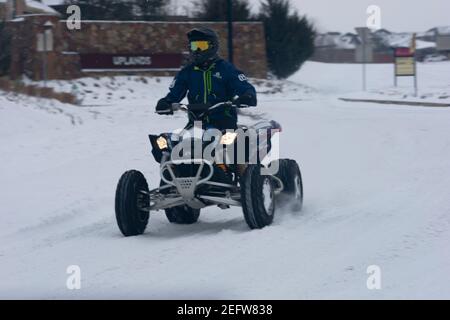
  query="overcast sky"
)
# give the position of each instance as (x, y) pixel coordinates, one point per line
(396, 15)
(344, 15)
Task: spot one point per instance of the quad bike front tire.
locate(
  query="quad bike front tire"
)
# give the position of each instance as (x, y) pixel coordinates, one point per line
(130, 199)
(257, 197)
(292, 194)
(182, 214)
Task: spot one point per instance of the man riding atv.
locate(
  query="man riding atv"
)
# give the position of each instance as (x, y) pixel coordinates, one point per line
(208, 79)
(215, 88)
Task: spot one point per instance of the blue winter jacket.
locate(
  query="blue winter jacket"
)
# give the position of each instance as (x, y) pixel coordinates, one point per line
(220, 82)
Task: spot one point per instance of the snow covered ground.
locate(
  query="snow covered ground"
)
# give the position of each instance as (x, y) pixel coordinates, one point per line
(376, 180)
(345, 80)
(104, 91)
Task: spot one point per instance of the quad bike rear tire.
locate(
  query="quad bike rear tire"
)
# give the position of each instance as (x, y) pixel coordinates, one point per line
(257, 197)
(292, 194)
(130, 198)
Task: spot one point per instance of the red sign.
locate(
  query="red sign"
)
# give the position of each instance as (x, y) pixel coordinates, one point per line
(403, 52)
(156, 61)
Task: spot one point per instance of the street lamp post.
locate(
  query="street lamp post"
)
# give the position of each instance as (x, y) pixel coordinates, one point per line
(48, 43)
(230, 30)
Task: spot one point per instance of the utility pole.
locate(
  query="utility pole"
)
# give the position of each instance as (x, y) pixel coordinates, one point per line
(230, 30)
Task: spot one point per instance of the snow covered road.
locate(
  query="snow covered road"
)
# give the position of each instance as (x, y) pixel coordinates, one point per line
(376, 184)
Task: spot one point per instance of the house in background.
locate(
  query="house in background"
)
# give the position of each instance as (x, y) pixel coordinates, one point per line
(443, 41)
(10, 9)
(334, 47)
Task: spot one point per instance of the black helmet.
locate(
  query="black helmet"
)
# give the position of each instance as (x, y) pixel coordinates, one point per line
(198, 55)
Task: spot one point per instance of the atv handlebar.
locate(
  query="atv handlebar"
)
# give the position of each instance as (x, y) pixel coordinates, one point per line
(204, 107)
(201, 107)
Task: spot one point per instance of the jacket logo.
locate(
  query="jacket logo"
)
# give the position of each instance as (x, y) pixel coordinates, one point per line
(172, 84)
(242, 77)
(217, 75)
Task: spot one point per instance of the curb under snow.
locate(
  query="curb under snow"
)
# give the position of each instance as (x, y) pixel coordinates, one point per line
(405, 103)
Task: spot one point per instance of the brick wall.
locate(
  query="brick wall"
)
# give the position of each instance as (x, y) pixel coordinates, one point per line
(128, 38)
(9, 6)
(2, 11)
(332, 55)
(25, 60)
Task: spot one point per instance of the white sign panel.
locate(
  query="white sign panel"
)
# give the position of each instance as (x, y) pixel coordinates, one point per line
(364, 54)
(49, 40)
(40, 42)
(45, 44)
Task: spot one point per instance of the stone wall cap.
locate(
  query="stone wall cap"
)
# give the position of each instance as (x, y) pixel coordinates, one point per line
(166, 22)
(36, 15)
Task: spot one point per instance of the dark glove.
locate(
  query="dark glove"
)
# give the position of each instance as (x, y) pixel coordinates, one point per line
(164, 107)
(244, 100)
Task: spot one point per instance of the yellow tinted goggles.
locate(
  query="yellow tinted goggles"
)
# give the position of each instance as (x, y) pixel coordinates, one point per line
(199, 45)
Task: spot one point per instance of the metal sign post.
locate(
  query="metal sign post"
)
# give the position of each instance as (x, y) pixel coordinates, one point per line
(364, 52)
(415, 79)
(413, 51)
(395, 76)
(405, 64)
(364, 65)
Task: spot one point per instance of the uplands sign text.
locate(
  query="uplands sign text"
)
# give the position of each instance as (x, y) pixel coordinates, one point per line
(135, 62)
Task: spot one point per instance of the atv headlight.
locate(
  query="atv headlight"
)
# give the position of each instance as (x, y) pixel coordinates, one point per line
(228, 138)
(162, 142)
